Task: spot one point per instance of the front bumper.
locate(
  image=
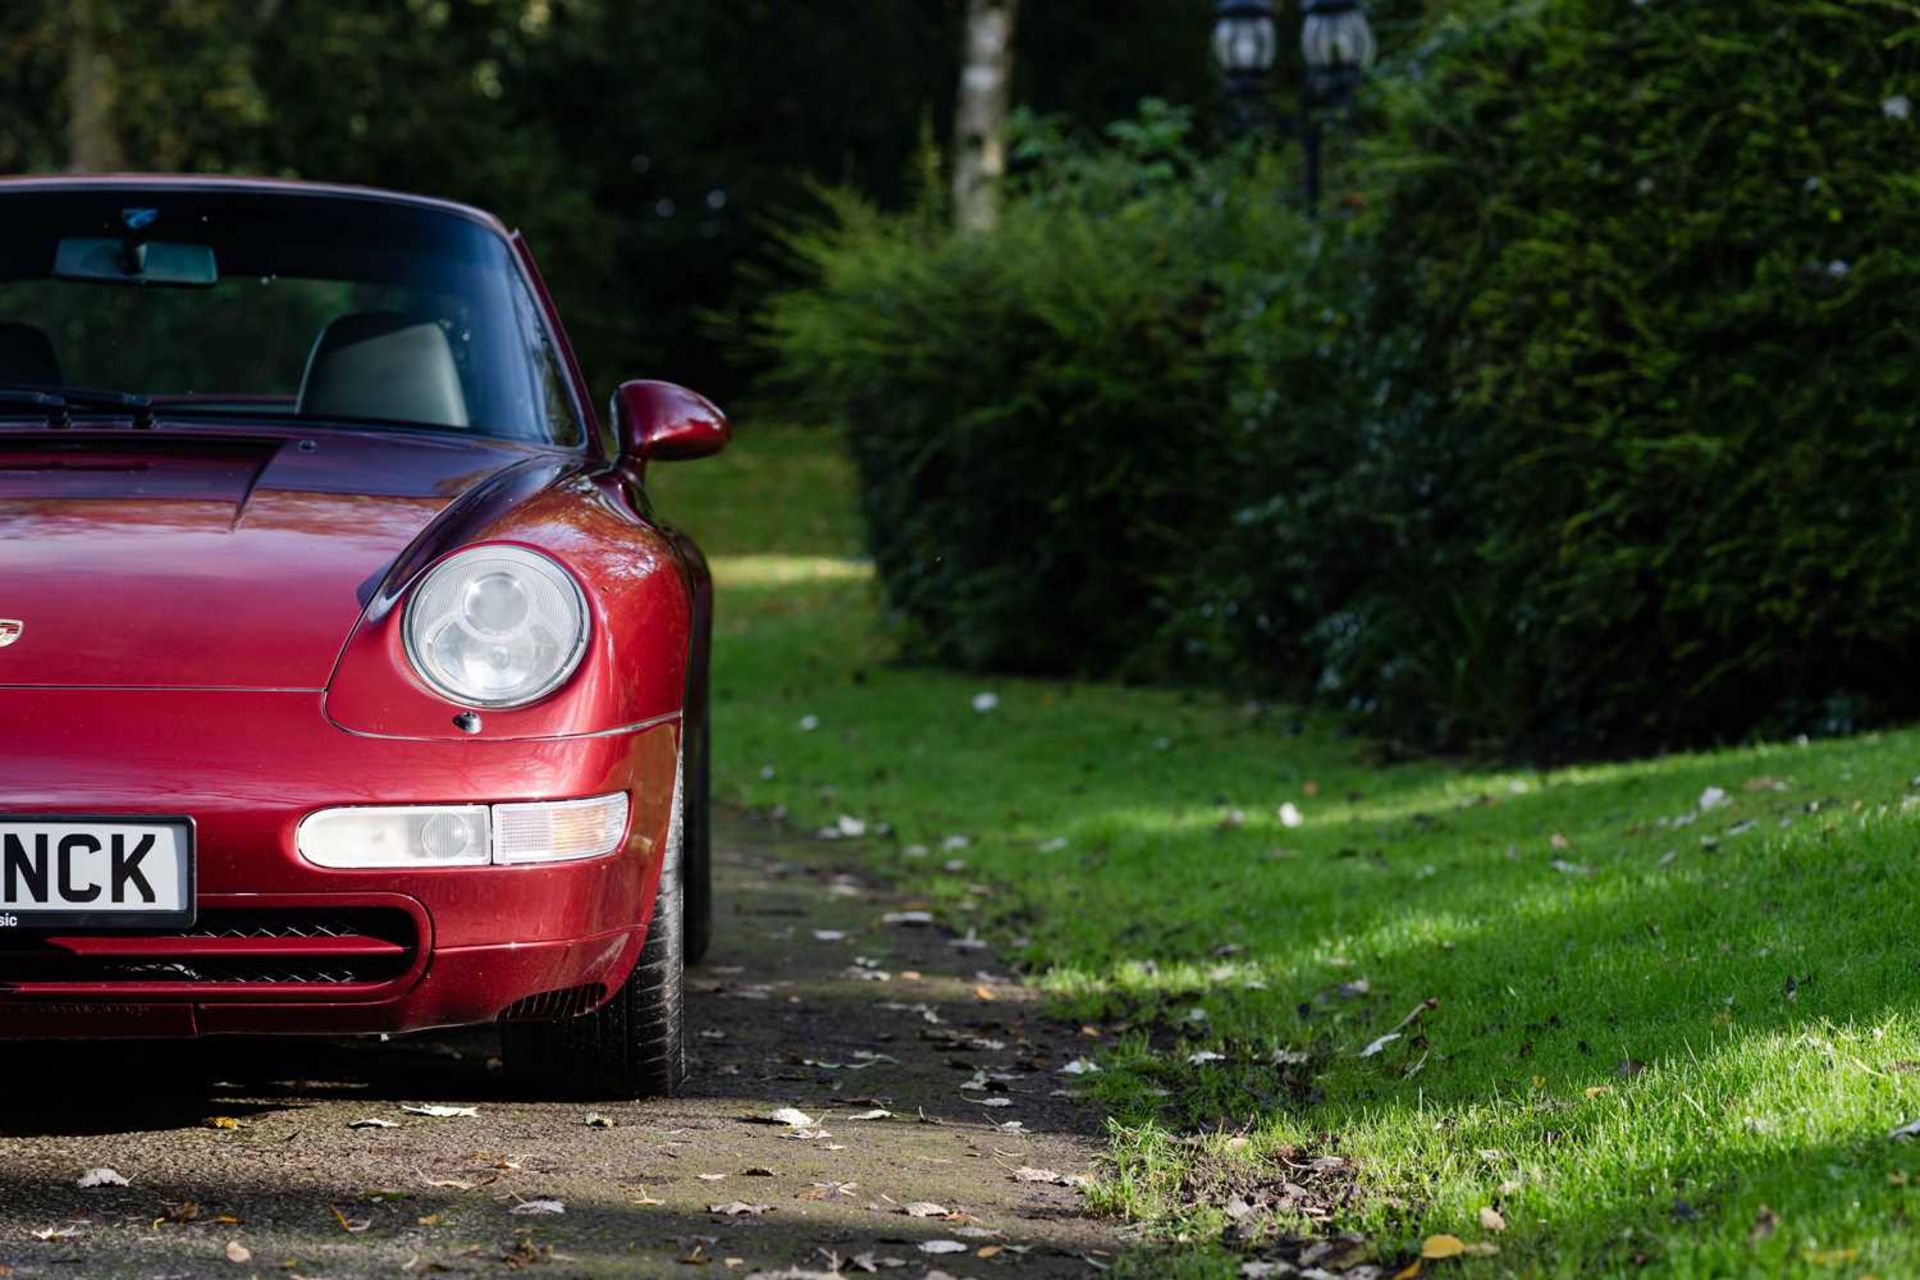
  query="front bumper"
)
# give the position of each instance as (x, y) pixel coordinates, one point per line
(286, 947)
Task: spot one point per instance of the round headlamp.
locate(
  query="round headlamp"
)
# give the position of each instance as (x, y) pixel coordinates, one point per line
(496, 627)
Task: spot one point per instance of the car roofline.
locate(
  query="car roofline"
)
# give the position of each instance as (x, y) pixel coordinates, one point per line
(159, 182)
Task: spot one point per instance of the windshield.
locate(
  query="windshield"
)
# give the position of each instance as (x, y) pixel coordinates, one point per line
(277, 305)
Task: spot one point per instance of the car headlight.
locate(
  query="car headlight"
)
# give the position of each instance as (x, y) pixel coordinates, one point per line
(496, 627)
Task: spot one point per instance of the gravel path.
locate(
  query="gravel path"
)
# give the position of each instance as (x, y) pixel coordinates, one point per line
(242, 1159)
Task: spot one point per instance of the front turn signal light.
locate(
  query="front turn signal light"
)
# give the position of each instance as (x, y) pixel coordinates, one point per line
(476, 835)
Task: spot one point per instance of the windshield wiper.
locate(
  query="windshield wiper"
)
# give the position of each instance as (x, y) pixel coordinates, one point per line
(60, 401)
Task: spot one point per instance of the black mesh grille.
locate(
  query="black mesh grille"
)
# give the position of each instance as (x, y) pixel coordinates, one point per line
(551, 1006)
(392, 926)
(387, 938)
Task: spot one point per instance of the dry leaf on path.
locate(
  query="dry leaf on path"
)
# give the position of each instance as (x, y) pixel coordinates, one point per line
(925, 1209)
(911, 918)
(238, 1253)
(942, 1246)
(533, 1208)
(438, 1112)
(792, 1117)
(739, 1208)
(101, 1178)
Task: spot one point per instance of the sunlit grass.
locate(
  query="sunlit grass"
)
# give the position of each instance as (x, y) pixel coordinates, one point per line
(744, 572)
(1653, 1018)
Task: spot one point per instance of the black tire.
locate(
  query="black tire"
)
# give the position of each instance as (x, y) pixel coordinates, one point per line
(696, 798)
(634, 1046)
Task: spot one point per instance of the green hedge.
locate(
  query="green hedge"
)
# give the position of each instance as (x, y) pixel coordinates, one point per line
(1655, 265)
(1035, 414)
(1585, 419)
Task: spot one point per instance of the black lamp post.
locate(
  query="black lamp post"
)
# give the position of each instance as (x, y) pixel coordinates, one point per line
(1245, 43)
(1336, 43)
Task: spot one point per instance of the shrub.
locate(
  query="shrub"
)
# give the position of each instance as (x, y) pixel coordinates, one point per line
(1036, 417)
(1584, 421)
(1655, 270)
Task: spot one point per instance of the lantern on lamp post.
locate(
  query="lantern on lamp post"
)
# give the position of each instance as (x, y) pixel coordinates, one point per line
(1337, 45)
(1246, 42)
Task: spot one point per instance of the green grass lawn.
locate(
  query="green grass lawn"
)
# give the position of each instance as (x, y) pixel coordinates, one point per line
(1672, 1027)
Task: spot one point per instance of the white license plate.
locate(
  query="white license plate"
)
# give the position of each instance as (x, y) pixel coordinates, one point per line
(95, 873)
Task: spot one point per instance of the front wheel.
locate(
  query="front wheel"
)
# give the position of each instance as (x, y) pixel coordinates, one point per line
(633, 1046)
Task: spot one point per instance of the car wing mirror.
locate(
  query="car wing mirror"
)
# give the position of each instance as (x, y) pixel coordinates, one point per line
(661, 422)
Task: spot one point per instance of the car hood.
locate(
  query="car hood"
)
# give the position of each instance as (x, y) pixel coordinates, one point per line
(189, 558)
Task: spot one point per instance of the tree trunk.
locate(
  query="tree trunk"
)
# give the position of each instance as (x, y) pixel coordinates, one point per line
(93, 145)
(980, 123)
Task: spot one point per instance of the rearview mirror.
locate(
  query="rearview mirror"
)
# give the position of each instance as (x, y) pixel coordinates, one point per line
(136, 262)
(661, 422)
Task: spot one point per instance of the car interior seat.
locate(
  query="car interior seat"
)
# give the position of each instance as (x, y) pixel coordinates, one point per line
(27, 356)
(384, 364)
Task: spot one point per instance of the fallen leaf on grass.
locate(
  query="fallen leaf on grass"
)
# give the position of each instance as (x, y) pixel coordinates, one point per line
(1829, 1257)
(101, 1178)
(438, 1112)
(1379, 1044)
(912, 918)
(791, 1117)
(878, 1113)
(739, 1208)
(1080, 1067)
(924, 1209)
(1765, 1223)
(1566, 868)
(711, 1177)
(942, 1246)
(1201, 1057)
(1491, 1219)
(238, 1253)
(829, 1191)
(1598, 1090)
(1909, 1130)
(1442, 1246)
(533, 1208)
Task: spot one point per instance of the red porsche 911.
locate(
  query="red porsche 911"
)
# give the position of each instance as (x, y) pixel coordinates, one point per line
(347, 683)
